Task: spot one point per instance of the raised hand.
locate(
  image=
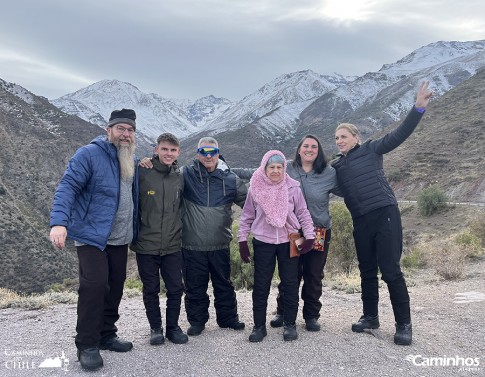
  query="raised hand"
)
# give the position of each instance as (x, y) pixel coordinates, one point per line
(423, 96)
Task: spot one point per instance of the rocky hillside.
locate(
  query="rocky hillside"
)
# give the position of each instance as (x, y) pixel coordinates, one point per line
(448, 147)
(36, 142)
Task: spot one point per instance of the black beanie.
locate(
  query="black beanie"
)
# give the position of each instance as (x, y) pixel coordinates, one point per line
(127, 116)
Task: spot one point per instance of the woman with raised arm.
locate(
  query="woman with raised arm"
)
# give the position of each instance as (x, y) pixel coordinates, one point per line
(376, 217)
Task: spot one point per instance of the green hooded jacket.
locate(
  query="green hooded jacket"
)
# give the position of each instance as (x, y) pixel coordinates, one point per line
(160, 217)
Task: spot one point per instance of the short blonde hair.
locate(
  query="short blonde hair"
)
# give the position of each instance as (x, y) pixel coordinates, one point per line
(352, 128)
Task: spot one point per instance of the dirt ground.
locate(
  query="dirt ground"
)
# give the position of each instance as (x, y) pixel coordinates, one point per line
(448, 332)
(448, 328)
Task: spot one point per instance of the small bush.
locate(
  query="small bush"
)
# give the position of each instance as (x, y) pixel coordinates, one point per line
(430, 200)
(470, 243)
(134, 284)
(477, 227)
(445, 257)
(12, 299)
(342, 256)
(69, 285)
(415, 259)
(346, 282)
(242, 274)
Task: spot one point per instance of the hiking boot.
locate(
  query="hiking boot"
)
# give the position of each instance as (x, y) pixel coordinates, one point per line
(156, 337)
(277, 321)
(177, 336)
(116, 344)
(258, 334)
(235, 325)
(195, 330)
(366, 322)
(90, 358)
(404, 334)
(312, 324)
(289, 332)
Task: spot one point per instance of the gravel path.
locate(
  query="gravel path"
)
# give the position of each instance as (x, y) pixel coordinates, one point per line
(448, 321)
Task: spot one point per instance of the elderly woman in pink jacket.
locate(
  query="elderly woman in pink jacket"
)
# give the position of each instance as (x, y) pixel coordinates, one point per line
(274, 208)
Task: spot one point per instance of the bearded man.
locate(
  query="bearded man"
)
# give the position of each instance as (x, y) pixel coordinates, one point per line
(96, 205)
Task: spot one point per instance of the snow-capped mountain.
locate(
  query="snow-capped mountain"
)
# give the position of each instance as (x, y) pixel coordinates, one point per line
(277, 105)
(378, 98)
(155, 114)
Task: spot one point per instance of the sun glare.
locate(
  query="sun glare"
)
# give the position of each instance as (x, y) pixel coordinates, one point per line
(347, 10)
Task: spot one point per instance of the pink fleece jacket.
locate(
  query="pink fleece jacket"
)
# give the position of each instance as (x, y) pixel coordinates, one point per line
(254, 219)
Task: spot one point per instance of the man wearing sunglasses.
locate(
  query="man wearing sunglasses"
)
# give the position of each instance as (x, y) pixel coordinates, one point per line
(209, 192)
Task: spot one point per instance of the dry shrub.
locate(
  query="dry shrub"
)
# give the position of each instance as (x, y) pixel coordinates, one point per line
(477, 227)
(12, 299)
(470, 242)
(446, 257)
(349, 282)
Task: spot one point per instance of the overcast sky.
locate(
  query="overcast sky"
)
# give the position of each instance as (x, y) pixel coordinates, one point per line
(228, 48)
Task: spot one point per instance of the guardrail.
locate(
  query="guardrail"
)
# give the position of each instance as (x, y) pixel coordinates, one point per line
(472, 204)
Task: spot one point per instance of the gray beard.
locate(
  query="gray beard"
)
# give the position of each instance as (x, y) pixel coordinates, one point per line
(127, 164)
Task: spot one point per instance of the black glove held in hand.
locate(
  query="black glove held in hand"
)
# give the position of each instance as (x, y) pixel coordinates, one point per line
(306, 246)
(244, 251)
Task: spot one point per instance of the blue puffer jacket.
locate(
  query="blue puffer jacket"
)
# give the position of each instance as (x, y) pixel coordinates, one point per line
(87, 197)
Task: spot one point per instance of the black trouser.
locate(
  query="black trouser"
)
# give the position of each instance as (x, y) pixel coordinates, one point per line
(378, 240)
(169, 267)
(265, 256)
(102, 275)
(199, 266)
(310, 269)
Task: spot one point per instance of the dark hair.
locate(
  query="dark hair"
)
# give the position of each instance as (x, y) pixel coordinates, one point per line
(171, 138)
(320, 162)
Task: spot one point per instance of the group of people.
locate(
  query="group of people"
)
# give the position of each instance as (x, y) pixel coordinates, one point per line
(178, 221)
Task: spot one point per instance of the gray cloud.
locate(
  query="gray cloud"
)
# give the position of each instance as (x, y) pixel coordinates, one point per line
(192, 48)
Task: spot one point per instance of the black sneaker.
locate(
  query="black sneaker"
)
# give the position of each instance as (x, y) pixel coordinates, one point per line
(258, 334)
(116, 344)
(366, 322)
(289, 332)
(235, 325)
(277, 321)
(177, 336)
(195, 330)
(156, 337)
(312, 324)
(90, 358)
(404, 334)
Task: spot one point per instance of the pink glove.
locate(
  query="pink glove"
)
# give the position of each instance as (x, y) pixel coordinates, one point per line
(306, 246)
(244, 251)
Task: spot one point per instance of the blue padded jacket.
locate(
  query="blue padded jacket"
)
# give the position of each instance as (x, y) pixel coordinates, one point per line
(87, 197)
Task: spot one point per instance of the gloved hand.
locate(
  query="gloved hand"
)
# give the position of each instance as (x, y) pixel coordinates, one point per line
(244, 251)
(306, 246)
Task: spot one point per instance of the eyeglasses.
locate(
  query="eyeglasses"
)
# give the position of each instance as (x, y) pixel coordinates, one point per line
(208, 151)
(122, 130)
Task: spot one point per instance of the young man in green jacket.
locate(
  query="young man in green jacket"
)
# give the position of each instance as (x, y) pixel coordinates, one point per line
(158, 246)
